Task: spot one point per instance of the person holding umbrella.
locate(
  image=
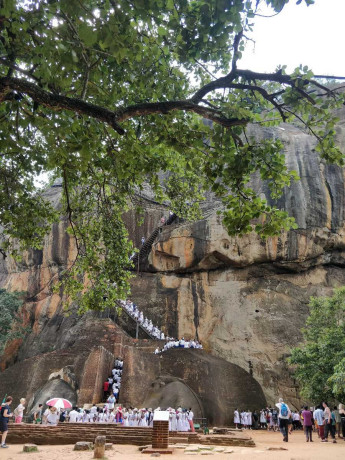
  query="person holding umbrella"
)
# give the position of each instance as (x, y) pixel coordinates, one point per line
(55, 404)
(53, 417)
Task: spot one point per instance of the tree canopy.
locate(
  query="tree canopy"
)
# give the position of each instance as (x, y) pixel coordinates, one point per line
(10, 322)
(320, 360)
(109, 94)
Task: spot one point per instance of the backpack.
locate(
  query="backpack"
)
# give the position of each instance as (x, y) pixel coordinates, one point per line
(16, 412)
(284, 410)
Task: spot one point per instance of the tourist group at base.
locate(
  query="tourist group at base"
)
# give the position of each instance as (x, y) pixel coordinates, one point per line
(321, 419)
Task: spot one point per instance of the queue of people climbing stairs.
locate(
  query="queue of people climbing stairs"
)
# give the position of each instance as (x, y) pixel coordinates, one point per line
(182, 343)
(111, 387)
(133, 311)
(154, 331)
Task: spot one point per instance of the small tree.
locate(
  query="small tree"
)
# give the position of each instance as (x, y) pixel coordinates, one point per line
(320, 360)
(10, 324)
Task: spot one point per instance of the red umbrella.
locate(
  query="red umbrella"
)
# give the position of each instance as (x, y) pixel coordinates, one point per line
(59, 403)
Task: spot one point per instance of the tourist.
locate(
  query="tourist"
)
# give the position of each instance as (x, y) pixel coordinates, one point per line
(296, 420)
(111, 402)
(105, 389)
(337, 421)
(93, 410)
(263, 419)
(38, 414)
(237, 420)
(45, 415)
(329, 426)
(53, 417)
(73, 415)
(319, 419)
(307, 423)
(284, 415)
(142, 240)
(342, 416)
(255, 420)
(5, 414)
(19, 411)
(190, 420)
(274, 419)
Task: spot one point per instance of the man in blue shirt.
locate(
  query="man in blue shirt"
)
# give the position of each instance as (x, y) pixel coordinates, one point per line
(318, 416)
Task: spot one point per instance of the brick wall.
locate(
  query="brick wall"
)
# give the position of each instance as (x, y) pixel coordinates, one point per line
(160, 434)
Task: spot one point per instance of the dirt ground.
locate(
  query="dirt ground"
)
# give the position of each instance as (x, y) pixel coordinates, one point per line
(297, 449)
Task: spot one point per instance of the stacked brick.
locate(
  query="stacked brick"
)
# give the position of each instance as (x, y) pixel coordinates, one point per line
(160, 434)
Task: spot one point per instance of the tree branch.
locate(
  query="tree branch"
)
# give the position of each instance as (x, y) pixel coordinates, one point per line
(236, 54)
(58, 101)
(148, 108)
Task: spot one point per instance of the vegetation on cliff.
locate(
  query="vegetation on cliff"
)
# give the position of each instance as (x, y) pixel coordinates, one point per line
(10, 322)
(107, 95)
(320, 360)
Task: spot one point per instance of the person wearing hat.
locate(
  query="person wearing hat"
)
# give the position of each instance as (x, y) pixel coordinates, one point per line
(53, 417)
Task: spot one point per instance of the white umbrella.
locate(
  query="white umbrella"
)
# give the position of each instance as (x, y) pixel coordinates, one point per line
(59, 403)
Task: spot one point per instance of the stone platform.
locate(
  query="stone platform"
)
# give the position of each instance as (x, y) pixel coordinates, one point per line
(71, 433)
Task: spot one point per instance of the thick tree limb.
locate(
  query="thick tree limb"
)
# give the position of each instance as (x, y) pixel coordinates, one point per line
(236, 54)
(57, 101)
(148, 108)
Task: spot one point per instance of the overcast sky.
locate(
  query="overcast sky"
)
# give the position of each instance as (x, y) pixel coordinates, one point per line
(312, 36)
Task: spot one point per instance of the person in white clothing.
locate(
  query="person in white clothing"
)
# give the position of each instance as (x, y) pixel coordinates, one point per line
(73, 415)
(19, 411)
(237, 420)
(53, 417)
(190, 420)
(283, 417)
(249, 419)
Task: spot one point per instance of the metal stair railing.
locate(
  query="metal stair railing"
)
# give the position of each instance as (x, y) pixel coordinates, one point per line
(138, 324)
(147, 246)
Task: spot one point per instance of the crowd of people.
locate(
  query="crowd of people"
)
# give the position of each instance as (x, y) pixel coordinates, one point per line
(175, 343)
(179, 419)
(322, 420)
(133, 310)
(111, 387)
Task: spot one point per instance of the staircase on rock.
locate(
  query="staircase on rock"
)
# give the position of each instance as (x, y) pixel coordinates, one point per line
(146, 248)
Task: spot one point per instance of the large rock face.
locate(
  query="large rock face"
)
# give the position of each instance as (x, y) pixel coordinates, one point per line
(244, 298)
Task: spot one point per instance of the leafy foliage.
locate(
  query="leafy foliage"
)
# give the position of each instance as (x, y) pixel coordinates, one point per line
(10, 322)
(110, 94)
(320, 360)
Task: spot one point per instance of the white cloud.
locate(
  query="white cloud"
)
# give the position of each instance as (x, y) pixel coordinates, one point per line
(312, 36)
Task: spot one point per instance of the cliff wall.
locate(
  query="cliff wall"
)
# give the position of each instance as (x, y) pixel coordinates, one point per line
(244, 298)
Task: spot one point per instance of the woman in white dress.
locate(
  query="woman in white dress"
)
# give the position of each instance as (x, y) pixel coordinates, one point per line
(173, 421)
(185, 422)
(237, 420)
(142, 418)
(249, 419)
(263, 419)
(243, 419)
(135, 417)
(179, 420)
(125, 417)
